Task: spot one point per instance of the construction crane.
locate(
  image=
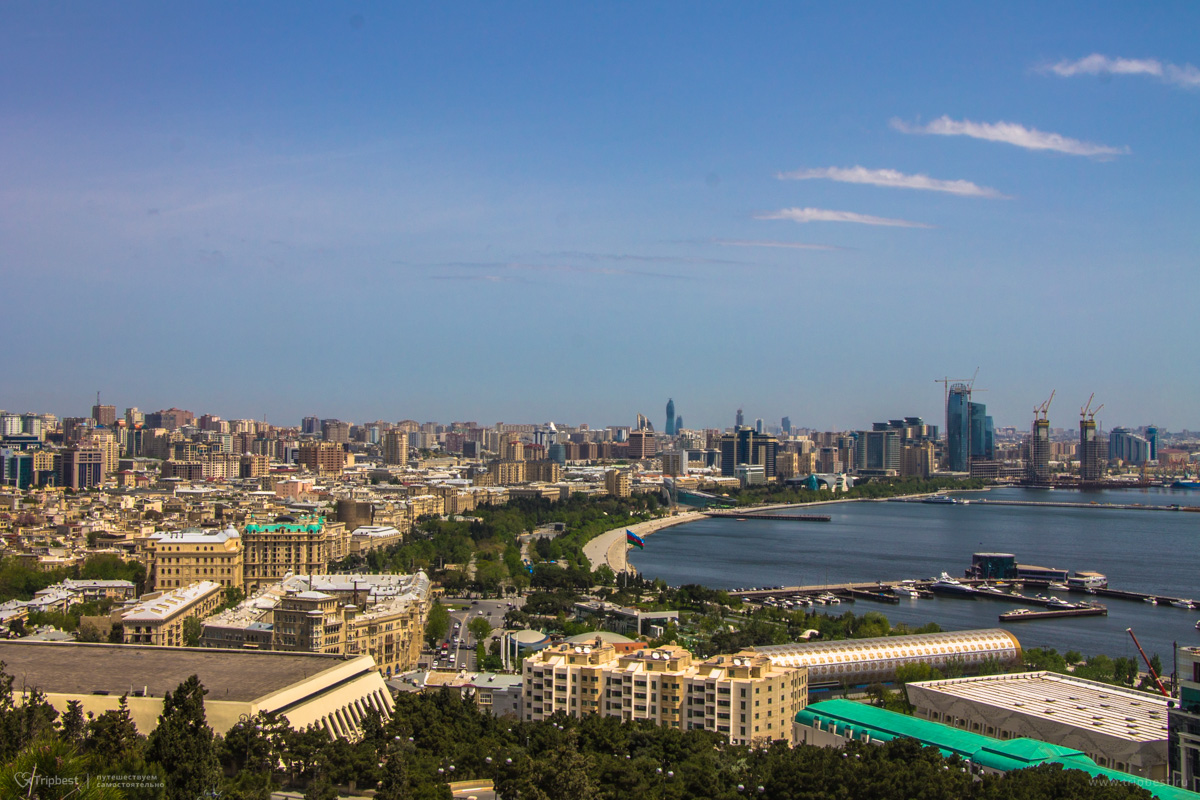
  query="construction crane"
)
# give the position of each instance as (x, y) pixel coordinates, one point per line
(1043, 411)
(1153, 674)
(970, 382)
(1087, 412)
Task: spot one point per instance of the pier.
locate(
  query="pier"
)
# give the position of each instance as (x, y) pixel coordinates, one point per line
(784, 517)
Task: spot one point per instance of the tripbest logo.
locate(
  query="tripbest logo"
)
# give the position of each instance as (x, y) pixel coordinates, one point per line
(29, 779)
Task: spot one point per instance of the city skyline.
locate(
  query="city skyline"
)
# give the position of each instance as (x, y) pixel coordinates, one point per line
(350, 212)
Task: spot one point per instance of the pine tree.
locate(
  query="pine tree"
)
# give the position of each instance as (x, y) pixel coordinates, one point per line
(184, 745)
(73, 725)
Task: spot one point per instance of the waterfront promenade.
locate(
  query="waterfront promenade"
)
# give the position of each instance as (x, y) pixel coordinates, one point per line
(610, 548)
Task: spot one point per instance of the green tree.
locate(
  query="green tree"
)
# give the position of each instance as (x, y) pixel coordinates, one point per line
(480, 628)
(74, 727)
(438, 623)
(184, 744)
(112, 735)
(192, 631)
(63, 772)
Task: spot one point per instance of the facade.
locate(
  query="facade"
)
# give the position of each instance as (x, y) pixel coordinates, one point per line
(745, 446)
(158, 619)
(181, 558)
(331, 692)
(642, 445)
(618, 482)
(1092, 453)
(395, 447)
(299, 546)
(507, 473)
(858, 662)
(1126, 446)
(879, 451)
(323, 458)
(82, 468)
(742, 696)
(958, 428)
(983, 434)
(1118, 728)
(105, 416)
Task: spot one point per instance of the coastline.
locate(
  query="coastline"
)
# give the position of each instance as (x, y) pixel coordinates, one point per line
(610, 548)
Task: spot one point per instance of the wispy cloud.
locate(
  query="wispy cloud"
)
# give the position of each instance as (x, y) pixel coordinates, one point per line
(496, 270)
(825, 215)
(762, 243)
(1010, 133)
(891, 178)
(574, 254)
(1186, 76)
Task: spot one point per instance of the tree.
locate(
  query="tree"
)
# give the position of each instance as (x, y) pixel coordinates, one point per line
(192, 630)
(438, 623)
(112, 735)
(63, 773)
(73, 725)
(184, 744)
(480, 628)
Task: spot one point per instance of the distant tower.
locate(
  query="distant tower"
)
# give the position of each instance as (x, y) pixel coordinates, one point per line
(1039, 451)
(1152, 438)
(741, 418)
(758, 426)
(787, 426)
(671, 416)
(678, 424)
(958, 428)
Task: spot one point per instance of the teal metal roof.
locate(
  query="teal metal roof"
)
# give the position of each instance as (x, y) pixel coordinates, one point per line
(997, 754)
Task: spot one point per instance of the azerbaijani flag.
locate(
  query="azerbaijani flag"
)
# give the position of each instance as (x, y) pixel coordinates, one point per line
(633, 539)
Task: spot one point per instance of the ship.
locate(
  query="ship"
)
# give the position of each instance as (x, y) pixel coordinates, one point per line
(944, 500)
(1186, 484)
(948, 585)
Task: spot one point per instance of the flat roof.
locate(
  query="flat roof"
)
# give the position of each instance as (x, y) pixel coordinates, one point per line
(232, 675)
(1066, 700)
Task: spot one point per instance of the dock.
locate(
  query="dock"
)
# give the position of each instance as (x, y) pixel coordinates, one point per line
(1030, 616)
(784, 517)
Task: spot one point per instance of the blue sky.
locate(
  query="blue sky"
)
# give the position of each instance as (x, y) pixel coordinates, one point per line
(524, 211)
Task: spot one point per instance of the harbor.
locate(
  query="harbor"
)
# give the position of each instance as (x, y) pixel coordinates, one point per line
(1149, 559)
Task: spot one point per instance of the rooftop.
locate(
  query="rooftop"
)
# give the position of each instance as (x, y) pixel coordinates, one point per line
(1124, 713)
(234, 675)
(164, 606)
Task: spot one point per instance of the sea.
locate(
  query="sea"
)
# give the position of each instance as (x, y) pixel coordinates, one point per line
(1139, 550)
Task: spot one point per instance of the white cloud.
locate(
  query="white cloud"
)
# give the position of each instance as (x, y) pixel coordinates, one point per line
(1010, 133)
(761, 243)
(892, 178)
(825, 215)
(1186, 76)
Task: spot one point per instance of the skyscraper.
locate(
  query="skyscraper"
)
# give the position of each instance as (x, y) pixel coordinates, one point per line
(741, 419)
(958, 428)
(1091, 456)
(983, 433)
(787, 426)
(758, 426)
(1039, 451)
(671, 416)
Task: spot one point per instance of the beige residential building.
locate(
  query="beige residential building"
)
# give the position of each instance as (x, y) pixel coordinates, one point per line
(323, 458)
(158, 619)
(300, 546)
(741, 696)
(543, 471)
(310, 622)
(507, 473)
(395, 447)
(181, 558)
(618, 482)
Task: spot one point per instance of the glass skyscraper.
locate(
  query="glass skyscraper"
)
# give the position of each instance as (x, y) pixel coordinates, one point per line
(671, 417)
(958, 428)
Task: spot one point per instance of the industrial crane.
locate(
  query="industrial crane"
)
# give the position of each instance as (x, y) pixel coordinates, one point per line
(1043, 411)
(1087, 412)
(1153, 674)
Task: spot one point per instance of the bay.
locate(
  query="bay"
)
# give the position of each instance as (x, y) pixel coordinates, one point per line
(1142, 551)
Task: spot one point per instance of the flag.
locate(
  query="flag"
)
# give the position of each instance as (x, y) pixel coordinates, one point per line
(633, 539)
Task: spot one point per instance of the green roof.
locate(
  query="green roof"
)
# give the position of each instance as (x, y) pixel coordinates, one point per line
(987, 751)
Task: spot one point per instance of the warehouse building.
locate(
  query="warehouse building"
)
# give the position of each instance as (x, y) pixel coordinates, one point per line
(331, 692)
(1122, 729)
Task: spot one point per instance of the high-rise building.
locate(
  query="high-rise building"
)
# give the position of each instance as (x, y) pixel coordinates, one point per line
(1125, 445)
(741, 419)
(334, 430)
(786, 426)
(325, 458)
(105, 416)
(758, 426)
(618, 482)
(395, 447)
(746, 446)
(642, 444)
(1091, 452)
(310, 426)
(1038, 470)
(1152, 438)
(983, 433)
(82, 468)
(671, 416)
(958, 428)
(879, 451)
(678, 423)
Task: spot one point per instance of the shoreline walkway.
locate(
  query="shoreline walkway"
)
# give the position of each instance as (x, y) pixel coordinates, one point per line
(610, 548)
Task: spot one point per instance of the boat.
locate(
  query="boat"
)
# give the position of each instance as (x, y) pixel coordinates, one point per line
(1016, 612)
(1151, 600)
(1058, 602)
(948, 585)
(1186, 484)
(1198, 625)
(1183, 603)
(905, 591)
(1058, 587)
(943, 500)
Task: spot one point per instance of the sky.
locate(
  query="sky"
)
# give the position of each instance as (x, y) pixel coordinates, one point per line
(525, 212)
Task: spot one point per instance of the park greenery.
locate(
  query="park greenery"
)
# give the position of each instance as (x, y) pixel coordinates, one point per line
(433, 738)
(875, 489)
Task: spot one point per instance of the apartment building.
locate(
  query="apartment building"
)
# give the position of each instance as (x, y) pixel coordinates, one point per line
(323, 458)
(741, 696)
(299, 545)
(158, 619)
(618, 482)
(181, 558)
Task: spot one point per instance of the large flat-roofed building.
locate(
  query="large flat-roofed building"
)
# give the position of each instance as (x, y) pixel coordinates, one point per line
(743, 696)
(834, 723)
(858, 662)
(1122, 729)
(180, 558)
(1184, 721)
(299, 545)
(158, 619)
(331, 692)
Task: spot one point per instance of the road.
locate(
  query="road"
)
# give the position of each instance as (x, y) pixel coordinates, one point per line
(461, 643)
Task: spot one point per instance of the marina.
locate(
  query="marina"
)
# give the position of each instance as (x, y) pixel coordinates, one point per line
(1149, 560)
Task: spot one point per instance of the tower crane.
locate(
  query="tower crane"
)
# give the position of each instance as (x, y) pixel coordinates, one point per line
(1043, 411)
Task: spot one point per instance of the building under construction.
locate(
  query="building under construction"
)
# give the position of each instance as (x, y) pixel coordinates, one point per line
(1093, 453)
(1037, 469)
